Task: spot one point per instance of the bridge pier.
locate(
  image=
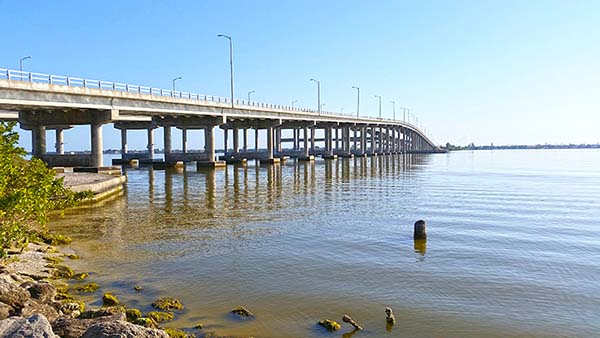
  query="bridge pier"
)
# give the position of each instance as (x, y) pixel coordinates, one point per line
(184, 141)
(270, 159)
(245, 134)
(38, 140)
(59, 144)
(97, 155)
(306, 156)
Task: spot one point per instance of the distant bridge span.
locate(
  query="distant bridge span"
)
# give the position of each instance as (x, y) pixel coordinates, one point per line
(41, 102)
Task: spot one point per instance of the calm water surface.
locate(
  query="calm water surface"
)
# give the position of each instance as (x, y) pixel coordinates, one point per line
(513, 248)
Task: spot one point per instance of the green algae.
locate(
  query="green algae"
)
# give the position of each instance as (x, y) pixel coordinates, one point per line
(330, 325)
(176, 333)
(55, 239)
(108, 299)
(53, 260)
(80, 276)
(88, 288)
(160, 316)
(72, 256)
(167, 304)
(133, 314)
(145, 322)
(61, 271)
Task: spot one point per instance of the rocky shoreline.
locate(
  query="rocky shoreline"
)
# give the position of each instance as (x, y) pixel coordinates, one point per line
(36, 300)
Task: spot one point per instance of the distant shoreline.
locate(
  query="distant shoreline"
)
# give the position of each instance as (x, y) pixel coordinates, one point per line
(520, 147)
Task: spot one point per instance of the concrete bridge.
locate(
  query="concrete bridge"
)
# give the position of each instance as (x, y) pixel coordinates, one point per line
(42, 102)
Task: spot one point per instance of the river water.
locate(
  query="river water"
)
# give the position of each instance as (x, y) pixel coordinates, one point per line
(513, 244)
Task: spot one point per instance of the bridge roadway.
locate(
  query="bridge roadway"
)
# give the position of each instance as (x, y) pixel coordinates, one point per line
(42, 102)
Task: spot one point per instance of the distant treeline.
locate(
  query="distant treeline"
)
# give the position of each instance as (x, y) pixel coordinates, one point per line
(471, 146)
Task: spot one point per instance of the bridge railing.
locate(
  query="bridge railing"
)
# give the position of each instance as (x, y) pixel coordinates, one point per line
(9, 74)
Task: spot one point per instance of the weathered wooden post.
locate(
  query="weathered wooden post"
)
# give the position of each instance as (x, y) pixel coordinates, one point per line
(420, 230)
(349, 320)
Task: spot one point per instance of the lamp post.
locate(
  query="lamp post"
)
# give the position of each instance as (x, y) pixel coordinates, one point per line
(21, 63)
(230, 62)
(357, 100)
(173, 87)
(379, 97)
(318, 94)
(250, 93)
(394, 109)
(294, 101)
(321, 107)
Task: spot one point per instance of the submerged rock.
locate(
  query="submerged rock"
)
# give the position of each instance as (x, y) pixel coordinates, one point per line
(390, 318)
(160, 316)
(242, 311)
(89, 287)
(168, 304)
(80, 276)
(138, 288)
(108, 299)
(31, 327)
(349, 320)
(330, 324)
(176, 333)
(122, 329)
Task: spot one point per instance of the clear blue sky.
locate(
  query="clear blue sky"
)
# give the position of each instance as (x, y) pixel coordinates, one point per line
(507, 72)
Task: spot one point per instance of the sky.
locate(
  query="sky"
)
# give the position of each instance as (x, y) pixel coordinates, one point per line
(502, 72)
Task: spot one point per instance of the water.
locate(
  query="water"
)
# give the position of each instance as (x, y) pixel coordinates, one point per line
(513, 247)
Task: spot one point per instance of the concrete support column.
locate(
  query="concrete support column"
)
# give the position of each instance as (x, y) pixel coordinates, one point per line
(38, 141)
(184, 144)
(150, 145)
(337, 138)
(225, 141)
(256, 139)
(363, 140)
(97, 155)
(270, 143)
(60, 142)
(329, 141)
(123, 141)
(236, 144)
(245, 131)
(209, 142)
(278, 143)
(372, 140)
(347, 141)
(306, 152)
(296, 139)
(355, 133)
(312, 138)
(167, 140)
(380, 148)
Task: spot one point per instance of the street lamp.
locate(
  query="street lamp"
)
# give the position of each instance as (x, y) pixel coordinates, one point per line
(21, 63)
(321, 107)
(249, 93)
(404, 113)
(394, 109)
(357, 100)
(318, 93)
(294, 101)
(173, 88)
(379, 97)
(230, 62)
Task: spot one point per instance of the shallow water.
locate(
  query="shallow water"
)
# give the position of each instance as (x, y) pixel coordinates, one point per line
(513, 247)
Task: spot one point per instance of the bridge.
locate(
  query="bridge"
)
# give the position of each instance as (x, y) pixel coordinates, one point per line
(43, 102)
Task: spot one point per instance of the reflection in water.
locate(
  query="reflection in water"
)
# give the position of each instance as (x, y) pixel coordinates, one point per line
(350, 334)
(421, 248)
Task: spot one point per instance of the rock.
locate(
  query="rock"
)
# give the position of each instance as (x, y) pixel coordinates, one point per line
(420, 230)
(73, 309)
(6, 311)
(42, 291)
(175, 333)
(199, 326)
(122, 329)
(138, 288)
(72, 256)
(36, 326)
(108, 299)
(133, 314)
(75, 327)
(89, 287)
(160, 316)
(61, 271)
(145, 322)
(109, 311)
(80, 276)
(242, 311)
(34, 306)
(168, 304)
(12, 294)
(390, 318)
(330, 324)
(349, 320)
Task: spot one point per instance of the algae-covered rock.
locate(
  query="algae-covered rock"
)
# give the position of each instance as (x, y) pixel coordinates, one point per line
(138, 288)
(199, 326)
(160, 316)
(107, 311)
(145, 322)
(65, 297)
(108, 299)
(330, 324)
(242, 311)
(72, 256)
(55, 239)
(80, 276)
(168, 304)
(176, 333)
(133, 314)
(61, 271)
(53, 260)
(89, 287)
